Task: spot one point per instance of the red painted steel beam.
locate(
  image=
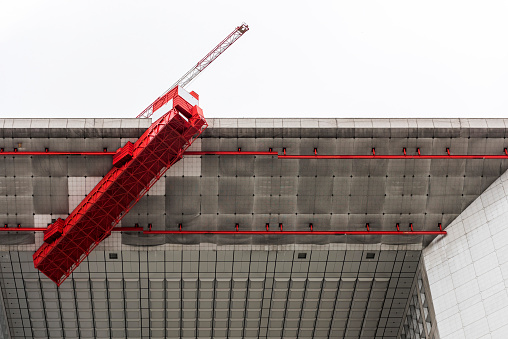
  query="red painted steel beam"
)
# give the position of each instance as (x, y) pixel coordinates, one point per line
(297, 156)
(162, 145)
(302, 232)
(377, 156)
(127, 229)
(42, 229)
(140, 229)
(113, 153)
(57, 153)
(228, 153)
(23, 229)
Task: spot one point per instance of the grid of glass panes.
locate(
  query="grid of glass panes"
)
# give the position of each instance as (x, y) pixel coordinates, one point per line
(418, 319)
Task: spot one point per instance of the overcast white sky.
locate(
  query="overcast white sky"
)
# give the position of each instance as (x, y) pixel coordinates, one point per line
(340, 59)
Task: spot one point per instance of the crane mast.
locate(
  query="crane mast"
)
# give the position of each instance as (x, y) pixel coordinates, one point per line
(200, 66)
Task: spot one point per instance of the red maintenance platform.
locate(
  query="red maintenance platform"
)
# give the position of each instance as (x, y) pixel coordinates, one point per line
(136, 168)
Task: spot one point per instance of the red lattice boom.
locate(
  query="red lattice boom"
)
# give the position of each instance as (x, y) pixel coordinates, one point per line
(92, 220)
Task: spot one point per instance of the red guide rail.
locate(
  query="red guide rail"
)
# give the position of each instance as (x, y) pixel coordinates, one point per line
(289, 156)
(302, 232)
(139, 229)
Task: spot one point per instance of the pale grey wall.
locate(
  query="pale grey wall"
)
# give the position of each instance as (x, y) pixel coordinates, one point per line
(468, 269)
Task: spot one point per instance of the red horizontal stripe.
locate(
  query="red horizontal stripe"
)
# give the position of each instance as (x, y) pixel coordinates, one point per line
(297, 156)
(140, 229)
(301, 232)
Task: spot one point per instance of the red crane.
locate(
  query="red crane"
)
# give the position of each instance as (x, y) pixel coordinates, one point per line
(199, 67)
(136, 168)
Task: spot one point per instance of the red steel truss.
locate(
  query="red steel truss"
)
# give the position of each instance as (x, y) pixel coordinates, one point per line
(163, 144)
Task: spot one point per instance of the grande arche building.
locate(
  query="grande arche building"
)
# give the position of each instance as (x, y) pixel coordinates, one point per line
(286, 285)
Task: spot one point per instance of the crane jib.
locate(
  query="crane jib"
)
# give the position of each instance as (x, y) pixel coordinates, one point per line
(199, 67)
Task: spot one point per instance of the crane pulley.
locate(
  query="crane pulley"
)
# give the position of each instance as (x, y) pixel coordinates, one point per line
(200, 66)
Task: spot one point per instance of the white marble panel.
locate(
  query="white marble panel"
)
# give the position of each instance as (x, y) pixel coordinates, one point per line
(468, 269)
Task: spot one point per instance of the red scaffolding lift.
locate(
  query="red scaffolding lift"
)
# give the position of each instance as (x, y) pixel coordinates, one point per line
(137, 167)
